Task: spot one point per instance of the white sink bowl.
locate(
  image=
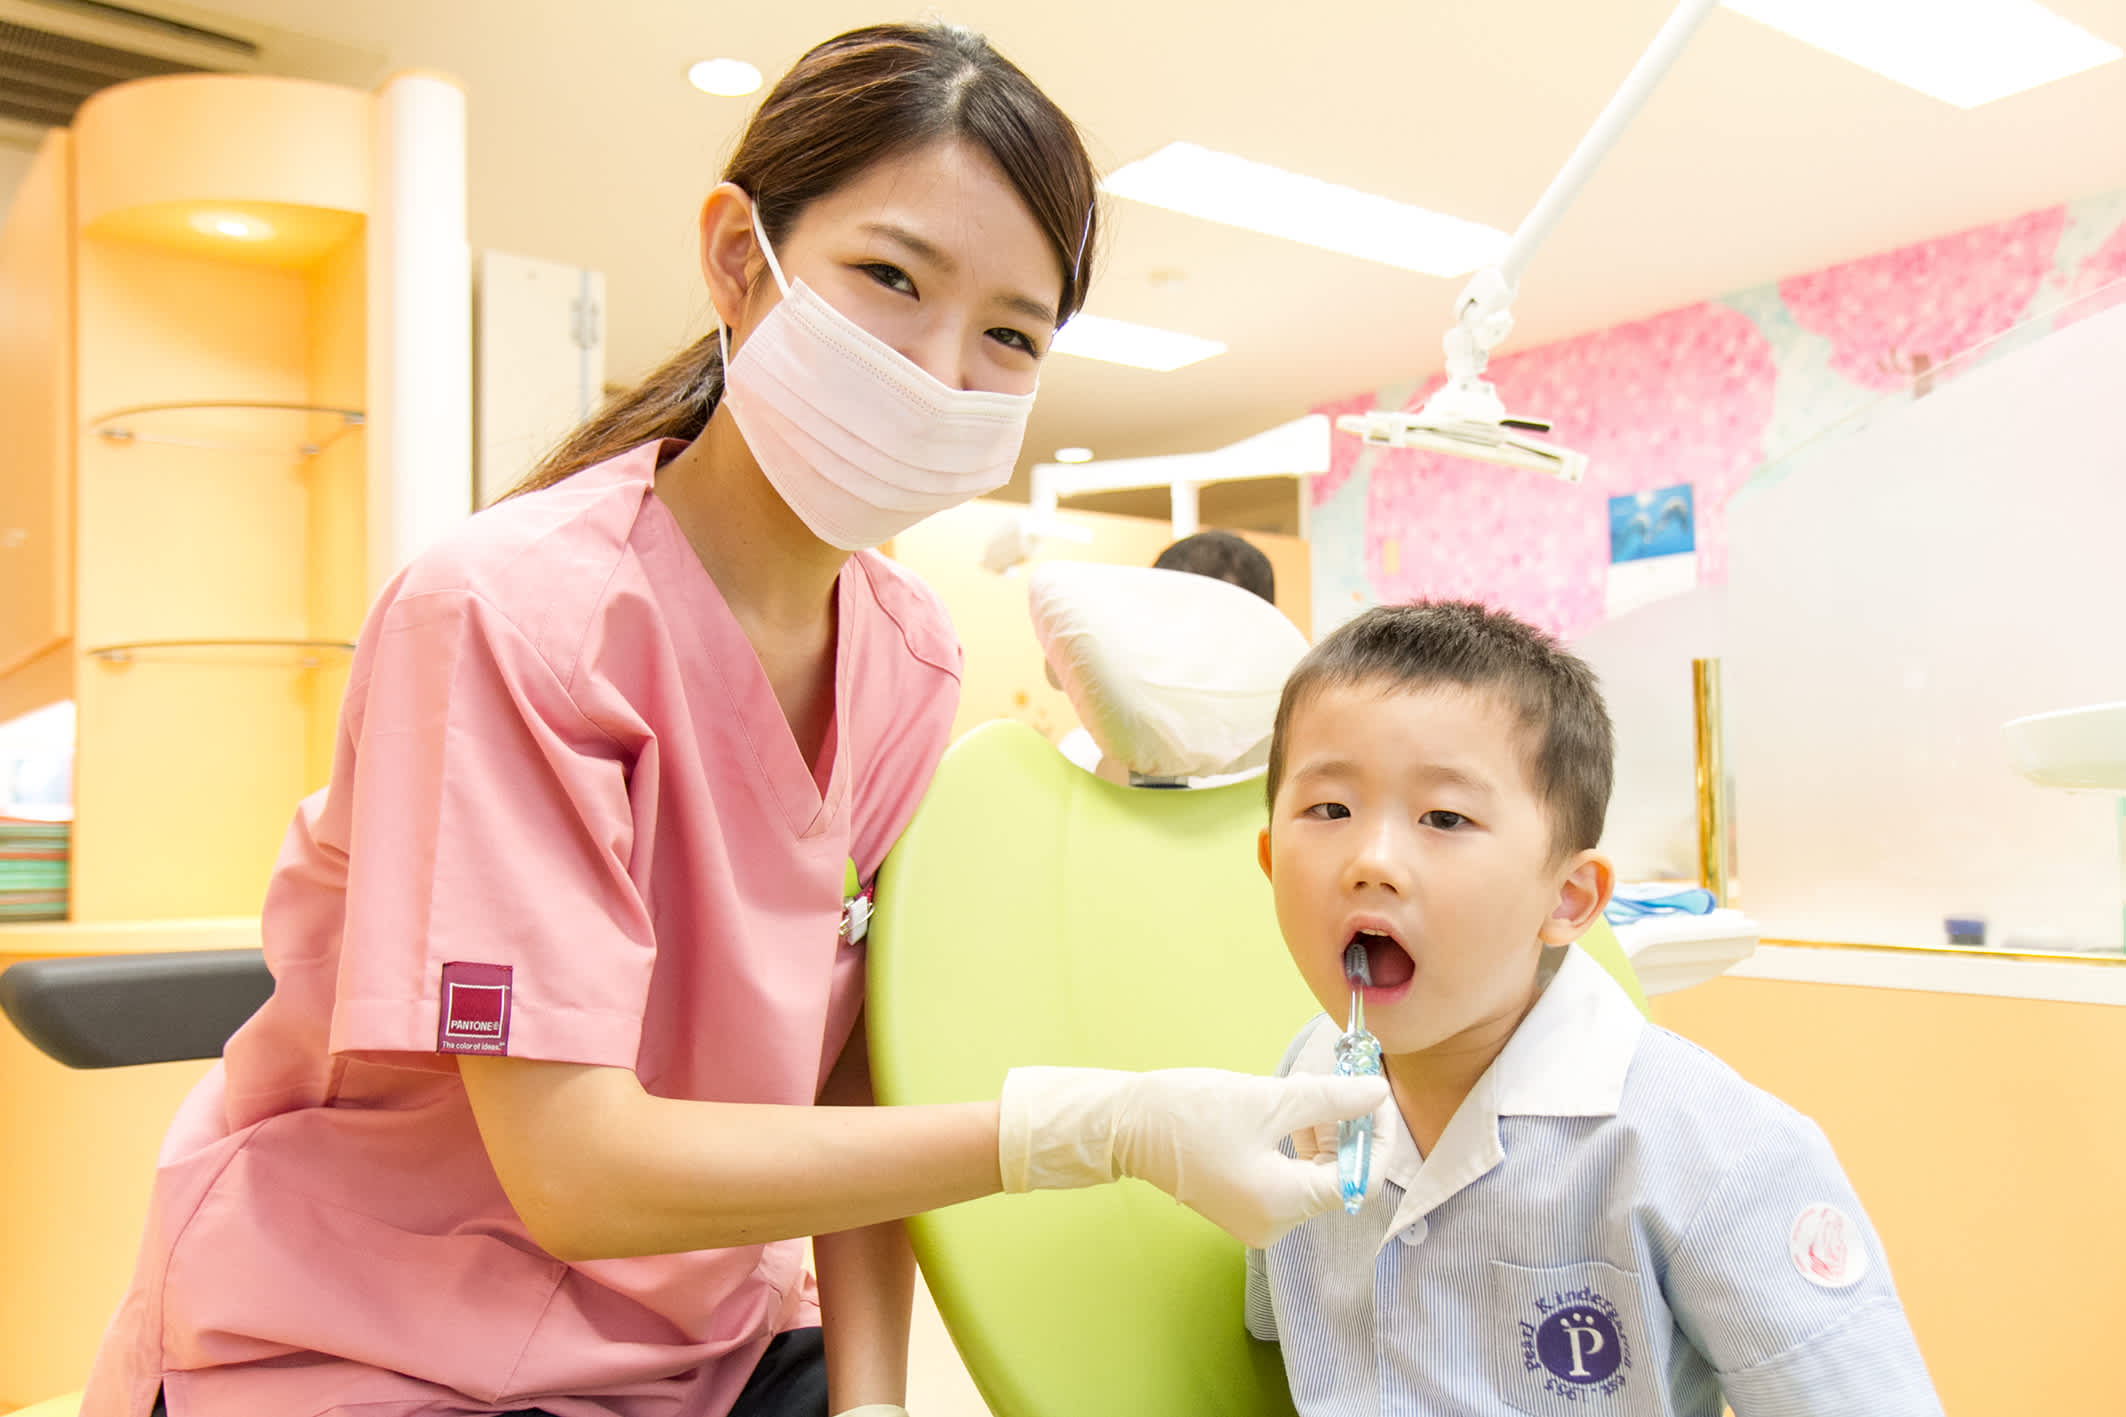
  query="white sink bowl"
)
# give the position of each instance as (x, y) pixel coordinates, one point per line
(2083, 747)
(1671, 952)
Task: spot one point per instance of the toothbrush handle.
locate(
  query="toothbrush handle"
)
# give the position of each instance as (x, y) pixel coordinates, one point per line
(1354, 1161)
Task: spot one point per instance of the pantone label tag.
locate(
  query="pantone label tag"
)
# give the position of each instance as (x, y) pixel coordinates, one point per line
(475, 1009)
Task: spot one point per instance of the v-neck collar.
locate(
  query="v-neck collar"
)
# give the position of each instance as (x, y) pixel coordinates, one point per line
(714, 648)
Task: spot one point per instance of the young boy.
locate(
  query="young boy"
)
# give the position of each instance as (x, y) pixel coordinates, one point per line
(1576, 1212)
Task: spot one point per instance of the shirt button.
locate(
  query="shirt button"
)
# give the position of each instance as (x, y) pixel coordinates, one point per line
(1414, 1233)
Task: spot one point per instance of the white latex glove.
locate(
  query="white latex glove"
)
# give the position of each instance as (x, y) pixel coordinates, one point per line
(874, 1409)
(1207, 1138)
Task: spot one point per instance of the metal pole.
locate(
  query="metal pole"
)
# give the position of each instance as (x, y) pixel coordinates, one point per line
(1623, 106)
(1712, 779)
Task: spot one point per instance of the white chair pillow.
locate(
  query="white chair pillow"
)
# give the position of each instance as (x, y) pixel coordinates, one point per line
(1174, 675)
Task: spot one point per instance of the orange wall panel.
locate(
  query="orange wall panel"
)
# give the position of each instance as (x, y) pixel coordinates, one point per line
(338, 478)
(37, 410)
(1987, 1140)
(187, 769)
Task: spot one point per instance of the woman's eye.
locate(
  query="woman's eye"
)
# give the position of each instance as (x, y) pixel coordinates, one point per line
(1329, 811)
(1015, 339)
(891, 277)
(1444, 821)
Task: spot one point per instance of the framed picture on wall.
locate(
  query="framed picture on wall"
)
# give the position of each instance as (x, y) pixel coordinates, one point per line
(1653, 547)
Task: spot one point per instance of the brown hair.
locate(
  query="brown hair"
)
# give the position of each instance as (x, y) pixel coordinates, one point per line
(853, 101)
(1223, 557)
(1414, 647)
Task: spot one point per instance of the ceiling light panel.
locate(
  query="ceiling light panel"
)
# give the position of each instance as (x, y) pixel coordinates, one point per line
(1140, 346)
(1239, 192)
(1963, 52)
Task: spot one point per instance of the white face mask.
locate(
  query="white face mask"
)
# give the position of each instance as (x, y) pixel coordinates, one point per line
(858, 439)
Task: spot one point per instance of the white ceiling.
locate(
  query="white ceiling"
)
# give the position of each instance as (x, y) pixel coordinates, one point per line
(1760, 157)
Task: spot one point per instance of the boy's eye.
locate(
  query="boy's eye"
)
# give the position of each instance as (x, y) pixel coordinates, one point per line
(1444, 820)
(1329, 811)
(891, 277)
(1016, 339)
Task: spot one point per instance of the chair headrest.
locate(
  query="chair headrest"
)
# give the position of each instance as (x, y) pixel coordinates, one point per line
(1175, 675)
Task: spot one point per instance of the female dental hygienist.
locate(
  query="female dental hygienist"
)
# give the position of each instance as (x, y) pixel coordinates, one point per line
(564, 1054)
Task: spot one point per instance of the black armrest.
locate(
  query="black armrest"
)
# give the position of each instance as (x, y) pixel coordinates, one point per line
(112, 1011)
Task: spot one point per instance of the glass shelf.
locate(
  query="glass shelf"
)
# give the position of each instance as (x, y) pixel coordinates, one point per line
(304, 654)
(281, 428)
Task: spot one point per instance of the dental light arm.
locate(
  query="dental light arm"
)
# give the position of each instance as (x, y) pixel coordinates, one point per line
(1464, 417)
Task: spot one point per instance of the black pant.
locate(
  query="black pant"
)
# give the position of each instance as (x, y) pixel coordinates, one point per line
(790, 1381)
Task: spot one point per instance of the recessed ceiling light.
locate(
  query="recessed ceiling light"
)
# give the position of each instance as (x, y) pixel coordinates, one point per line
(1964, 52)
(1140, 346)
(239, 228)
(1074, 455)
(1238, 192)
(728, 77)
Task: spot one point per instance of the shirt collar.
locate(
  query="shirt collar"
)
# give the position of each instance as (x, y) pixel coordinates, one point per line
(1568, 1058)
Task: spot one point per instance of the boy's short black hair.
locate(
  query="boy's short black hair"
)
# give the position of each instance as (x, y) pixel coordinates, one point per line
(1443, 642)
(1223, 557)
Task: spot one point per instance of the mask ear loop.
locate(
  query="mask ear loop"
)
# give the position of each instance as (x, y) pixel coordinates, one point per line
(774, 266)
(1077, 267)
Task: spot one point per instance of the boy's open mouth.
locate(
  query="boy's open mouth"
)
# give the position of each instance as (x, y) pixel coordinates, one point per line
(1388, 962)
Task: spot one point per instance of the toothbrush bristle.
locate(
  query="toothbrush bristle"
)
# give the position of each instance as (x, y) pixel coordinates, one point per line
(1357, 966)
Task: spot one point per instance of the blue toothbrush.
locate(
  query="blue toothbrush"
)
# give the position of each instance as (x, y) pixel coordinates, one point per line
(1357, 1056)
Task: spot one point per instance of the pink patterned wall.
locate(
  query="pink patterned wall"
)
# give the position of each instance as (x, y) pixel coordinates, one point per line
(1704, 395)
(1890, 317)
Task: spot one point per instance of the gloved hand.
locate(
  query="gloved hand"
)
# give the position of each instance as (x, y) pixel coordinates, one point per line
(1319, 1140)
(1207, 1138)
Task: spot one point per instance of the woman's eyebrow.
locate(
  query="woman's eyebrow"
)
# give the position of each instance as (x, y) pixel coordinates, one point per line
(1026, 305)
(929, 251)
(942, 260)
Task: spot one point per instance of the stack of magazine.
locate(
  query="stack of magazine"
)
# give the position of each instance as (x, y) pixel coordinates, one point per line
(33, 869)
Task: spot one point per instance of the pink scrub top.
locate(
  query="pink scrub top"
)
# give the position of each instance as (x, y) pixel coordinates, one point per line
(568, 821)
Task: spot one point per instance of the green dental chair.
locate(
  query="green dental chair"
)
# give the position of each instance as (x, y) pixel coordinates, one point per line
(1035, 914)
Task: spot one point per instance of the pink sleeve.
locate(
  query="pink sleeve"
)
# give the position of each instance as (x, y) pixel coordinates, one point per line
(489, 904)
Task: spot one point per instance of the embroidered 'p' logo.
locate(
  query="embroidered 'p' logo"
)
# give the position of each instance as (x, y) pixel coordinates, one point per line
(1581, 1342)
(473, 1013)
(1566, 1339)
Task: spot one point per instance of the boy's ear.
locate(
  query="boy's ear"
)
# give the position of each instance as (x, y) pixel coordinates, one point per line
(1262, 852)
(1590, 879)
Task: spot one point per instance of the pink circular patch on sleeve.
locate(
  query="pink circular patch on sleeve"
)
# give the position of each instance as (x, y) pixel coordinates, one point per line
(1827, 1248)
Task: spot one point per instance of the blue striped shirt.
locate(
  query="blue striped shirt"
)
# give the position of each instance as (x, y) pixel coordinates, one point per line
(1613, 1222)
